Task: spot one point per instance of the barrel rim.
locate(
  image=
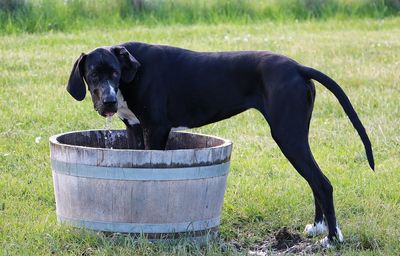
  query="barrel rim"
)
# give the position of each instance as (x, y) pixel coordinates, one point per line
(53, 140)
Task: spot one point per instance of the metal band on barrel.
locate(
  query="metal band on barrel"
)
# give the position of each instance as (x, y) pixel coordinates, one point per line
(118, 173)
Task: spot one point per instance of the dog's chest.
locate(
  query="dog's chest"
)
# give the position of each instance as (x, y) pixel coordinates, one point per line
(124, 112)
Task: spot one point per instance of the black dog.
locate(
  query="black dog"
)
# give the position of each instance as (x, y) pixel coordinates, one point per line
(155, 88)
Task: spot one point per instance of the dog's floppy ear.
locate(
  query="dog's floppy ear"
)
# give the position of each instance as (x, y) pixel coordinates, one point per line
(129, 65)
(76, 86)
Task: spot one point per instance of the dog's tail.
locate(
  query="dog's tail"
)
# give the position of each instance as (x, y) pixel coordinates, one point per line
(332, 86)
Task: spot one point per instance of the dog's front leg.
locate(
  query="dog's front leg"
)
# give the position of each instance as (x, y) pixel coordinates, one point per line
(155, 137)
(135, 136)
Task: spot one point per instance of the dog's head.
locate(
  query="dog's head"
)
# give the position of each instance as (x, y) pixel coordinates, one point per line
(103, 70)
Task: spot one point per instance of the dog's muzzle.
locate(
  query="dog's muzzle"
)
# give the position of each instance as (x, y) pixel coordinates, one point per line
(109, 101)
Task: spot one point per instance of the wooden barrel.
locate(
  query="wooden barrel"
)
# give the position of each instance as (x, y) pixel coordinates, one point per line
(161, 194)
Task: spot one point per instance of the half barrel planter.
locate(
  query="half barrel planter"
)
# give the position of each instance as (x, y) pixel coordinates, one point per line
(160, 194)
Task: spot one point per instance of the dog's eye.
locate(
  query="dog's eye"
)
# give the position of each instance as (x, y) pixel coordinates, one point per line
(115, 74)
(93, 75)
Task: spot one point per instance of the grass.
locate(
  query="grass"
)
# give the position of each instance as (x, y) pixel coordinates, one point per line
(18, 16)
(264, 192)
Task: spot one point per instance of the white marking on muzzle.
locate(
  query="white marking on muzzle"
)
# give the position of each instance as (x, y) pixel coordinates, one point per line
(112, 90)
(124, 112)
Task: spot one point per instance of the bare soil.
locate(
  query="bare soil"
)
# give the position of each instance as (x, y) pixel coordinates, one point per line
(282, 242)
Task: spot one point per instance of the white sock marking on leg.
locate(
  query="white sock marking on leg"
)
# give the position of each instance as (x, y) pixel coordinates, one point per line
(316, 229)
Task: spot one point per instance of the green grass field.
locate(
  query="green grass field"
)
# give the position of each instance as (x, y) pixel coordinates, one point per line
(18, 16)
(264, 192)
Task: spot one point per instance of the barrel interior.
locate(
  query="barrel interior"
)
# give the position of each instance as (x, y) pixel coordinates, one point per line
(117, 139)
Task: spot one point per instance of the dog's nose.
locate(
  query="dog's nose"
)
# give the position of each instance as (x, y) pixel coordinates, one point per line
(109, 100)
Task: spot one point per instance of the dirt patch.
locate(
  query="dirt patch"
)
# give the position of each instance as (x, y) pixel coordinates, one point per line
(285, 241)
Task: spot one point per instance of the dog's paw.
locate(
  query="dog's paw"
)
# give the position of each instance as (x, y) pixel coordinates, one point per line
(325, 242)
(328, 243)
(316, 229)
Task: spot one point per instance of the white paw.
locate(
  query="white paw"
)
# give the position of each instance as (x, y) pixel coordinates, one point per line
(339, 235)
(326, 243)
(316, 229)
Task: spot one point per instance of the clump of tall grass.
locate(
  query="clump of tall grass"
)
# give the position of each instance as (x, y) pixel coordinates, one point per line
(66, 15)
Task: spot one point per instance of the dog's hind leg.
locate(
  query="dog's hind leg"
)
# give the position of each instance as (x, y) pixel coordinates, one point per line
(289, 114)
(319, 226)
